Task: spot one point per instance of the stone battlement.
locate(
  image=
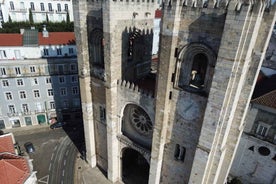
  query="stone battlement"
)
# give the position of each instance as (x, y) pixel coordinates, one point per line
(134, 88)
(222, 4)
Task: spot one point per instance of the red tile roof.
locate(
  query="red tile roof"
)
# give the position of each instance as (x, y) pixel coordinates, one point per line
(13, 171)
(6, 144)
(57, 38)
(11, 39)
(158, 13)
(268, 99)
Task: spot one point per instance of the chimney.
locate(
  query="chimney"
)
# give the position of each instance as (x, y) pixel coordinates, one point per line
(22, 31)
(45, 33)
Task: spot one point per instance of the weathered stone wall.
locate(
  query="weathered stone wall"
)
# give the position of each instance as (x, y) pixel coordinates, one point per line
(183, 130)
(98, 90)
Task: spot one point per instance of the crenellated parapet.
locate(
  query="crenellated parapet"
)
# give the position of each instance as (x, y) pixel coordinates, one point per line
(221, 4)
(131, 87)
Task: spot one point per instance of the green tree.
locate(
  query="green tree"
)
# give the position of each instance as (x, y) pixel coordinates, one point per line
(67, 17)
(10, 20)
(31, 19)
(47, 18)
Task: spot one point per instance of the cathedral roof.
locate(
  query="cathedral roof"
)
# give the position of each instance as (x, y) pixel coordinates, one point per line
(268, 99)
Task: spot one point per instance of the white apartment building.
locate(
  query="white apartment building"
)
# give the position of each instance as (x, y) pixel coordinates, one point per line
(18, 10)
(38, 78)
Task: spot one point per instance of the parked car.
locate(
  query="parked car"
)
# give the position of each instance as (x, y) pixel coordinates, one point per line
(58, 124)
(29, 147)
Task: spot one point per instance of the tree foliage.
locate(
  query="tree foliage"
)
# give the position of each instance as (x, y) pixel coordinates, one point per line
(14, 27)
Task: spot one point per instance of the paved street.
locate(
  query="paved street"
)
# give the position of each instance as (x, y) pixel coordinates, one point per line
(55, 153)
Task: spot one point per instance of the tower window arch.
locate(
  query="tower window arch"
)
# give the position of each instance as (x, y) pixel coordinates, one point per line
(198, 71)
(195, 68)
(96, 50)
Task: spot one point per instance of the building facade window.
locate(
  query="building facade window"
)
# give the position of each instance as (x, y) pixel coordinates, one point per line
(11, 5)
(179, 153)
(2, 124)
(58, 7)
(5, 83)
(50, 7)
(25, 108)
(60, 69)
(3, 71)
(65, 104)
(63, 91)
(48, 80)
(66, 7)
(262, 129)
(52, 105)
(36, 94)
(22, 94)
(73, 67)
(22, 6)
(17, 54)
(59, 53)
(42, 7)
(71, 51)
(32, 69)
(32, 6)
(19, 82)
(76, 102)
(61, 80)
(74, 79)
(3, 54)
(50, 92)
(102, 114)
(17, 70)
(46, 52)
(35, 81)
(75, 90)
(8, 95)
(11, 108)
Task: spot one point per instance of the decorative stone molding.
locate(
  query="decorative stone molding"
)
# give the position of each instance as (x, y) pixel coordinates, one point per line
(124, 140)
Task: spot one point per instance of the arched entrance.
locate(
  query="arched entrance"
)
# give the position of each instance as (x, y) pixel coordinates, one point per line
(135, 168)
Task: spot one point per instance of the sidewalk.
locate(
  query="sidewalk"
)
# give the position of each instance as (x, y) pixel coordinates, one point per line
(84, 174)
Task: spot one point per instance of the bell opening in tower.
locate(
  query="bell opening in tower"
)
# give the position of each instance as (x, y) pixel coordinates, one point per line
(138, 66)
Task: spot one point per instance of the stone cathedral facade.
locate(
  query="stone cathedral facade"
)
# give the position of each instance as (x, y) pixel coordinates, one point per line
(181, 122)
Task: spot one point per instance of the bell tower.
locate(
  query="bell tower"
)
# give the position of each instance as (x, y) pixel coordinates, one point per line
(182, 122)
(210, 55)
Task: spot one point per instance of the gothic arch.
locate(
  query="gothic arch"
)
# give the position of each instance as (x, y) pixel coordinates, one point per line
(134, 166)
(195, 68)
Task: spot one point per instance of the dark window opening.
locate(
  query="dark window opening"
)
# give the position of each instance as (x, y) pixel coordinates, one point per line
(96, 48)
(132, 41)
(179, 153)
(264, 151)
(198, 71)
(251, 148)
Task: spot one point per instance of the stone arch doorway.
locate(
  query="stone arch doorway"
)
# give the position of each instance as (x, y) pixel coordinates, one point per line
(135, 168)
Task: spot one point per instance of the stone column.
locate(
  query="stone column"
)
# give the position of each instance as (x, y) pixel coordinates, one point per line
(112, 59)
(167, 60)
(230, 93)
(80, 16)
